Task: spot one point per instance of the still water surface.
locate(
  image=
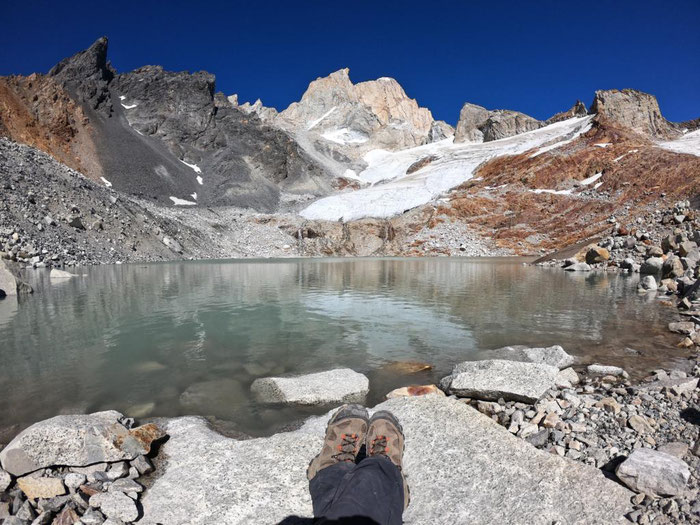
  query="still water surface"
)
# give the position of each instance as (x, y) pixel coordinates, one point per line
(190, 337)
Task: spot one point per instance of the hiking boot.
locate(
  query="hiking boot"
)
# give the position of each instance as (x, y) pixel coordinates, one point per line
(345, 435)
(385, 438)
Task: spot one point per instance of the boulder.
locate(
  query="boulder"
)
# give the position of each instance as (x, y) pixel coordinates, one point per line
(5, 480)
(10, 283)
(60, 275)
(672, 267)
(492, 379)
(652, 266)
(462, 467)
(676, 449)
(552, 355)
(686, 248)
(341, 385)
(653, 472)
(35, 488)
(567, 378)
(578, 267)
(648, 283)
(115, 505)
(415, 390)
(683, 327)
(596, 254)
(77, 441)
(606, 370)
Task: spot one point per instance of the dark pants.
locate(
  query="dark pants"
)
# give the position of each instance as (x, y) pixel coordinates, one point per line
(370, 493)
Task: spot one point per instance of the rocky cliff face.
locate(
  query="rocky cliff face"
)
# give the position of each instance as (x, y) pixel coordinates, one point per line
(577, 110)
(163, 135)
(634, 110)
(478, 124)
(338, 121)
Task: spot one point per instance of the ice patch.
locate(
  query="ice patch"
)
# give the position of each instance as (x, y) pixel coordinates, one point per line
(193, 166)
(688, 143)
(106, 182)
(598, 185)
(602, 145)
(315, 122)
(130, 106)
(393, 191)
(561, 143)
(592, 179)
(350, 174)
(200, 180)
(182, 202)
(122, 97)
(345, 136)
(553, 192)
(194, 195)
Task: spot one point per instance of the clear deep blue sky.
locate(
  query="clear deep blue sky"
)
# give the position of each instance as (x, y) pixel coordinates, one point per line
(533, 56)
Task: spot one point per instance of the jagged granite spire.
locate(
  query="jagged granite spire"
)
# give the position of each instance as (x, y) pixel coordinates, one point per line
(87, 74)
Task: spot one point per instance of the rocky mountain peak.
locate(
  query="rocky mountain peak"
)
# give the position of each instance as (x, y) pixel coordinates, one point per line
(86, 75)
(635, 110)
(89, 63)
(577, 110)
(478, 124)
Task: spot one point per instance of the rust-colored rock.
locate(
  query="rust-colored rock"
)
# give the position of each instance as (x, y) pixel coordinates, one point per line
(407, 367)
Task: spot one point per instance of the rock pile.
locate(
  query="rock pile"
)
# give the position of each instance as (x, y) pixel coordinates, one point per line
(665, 249)
(76, 469)
(644, 434)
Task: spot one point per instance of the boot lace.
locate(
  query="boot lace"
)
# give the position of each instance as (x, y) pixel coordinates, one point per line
(347, 449)
(379, 446)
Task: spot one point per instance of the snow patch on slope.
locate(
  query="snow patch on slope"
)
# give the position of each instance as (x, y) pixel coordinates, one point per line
(106, 182)
(315, 122)
(688, 143)
(182, 202)
(345, 136)
(193, 166)
(393, 191)
(200, 180)
(592, 179)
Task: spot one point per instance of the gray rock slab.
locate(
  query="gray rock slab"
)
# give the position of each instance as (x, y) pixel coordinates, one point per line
(495, 378)
(654, 472)
(60, 275)
(552, 355)
(115, 505)
(79, 441)
(462, 468)
(5, 480)
(341, 385)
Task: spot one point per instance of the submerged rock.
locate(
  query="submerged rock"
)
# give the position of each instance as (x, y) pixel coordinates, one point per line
(493, 379)
(77, 441)
(653, 472)
(462, 467)
(334, 386)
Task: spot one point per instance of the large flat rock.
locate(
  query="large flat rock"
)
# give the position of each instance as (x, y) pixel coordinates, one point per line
(492, 379)
(341, 385)
(76, 441)
(462, 466)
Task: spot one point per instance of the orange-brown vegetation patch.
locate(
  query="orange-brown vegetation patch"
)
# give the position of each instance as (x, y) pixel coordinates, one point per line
(634, 172)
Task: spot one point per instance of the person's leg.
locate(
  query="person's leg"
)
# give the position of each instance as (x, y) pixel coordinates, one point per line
(345, 435)
(370, 493)
(324, 485)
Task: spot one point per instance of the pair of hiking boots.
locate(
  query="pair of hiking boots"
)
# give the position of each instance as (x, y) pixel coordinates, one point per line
(351, 428)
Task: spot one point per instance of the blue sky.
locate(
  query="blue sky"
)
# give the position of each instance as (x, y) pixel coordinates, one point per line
(537, 57)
